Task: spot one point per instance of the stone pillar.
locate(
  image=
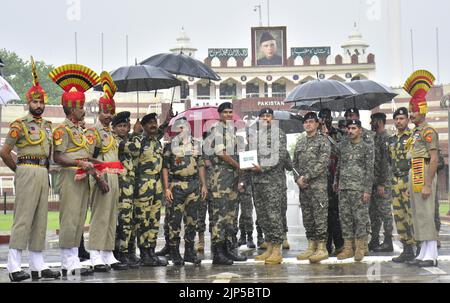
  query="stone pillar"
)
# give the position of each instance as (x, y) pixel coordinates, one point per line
(269, 90)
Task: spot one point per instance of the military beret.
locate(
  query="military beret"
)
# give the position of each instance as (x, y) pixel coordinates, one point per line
(325, 112)
(266, 36)
(309, 116)
(122, 117)
(401, 111)
(380, 116)
(147, 118)
(224, 106)
(354, 122)
(265, 111)
(351, 111)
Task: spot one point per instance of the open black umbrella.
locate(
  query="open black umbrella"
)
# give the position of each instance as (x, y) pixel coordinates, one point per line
(181, 64)
(135, 78)
(316, 94)
(290, 123)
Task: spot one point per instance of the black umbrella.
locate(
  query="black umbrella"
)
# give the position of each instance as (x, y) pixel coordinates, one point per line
(181, 64)
(290, 123)
(135, 78)
(316, 94)
(371, 95)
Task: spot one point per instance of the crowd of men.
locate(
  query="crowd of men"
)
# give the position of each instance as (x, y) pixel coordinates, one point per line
(347, 180)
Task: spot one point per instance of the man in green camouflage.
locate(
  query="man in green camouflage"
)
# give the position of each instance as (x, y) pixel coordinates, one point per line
(245, 193)
(183, 161)
(400, 174)
(270, 142)
(354, 179)
(380, 210)
(311, 157)
(221, 147)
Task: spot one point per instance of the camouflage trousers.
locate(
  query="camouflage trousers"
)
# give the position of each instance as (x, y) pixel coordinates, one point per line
(380, 211)
(147, 211)
(284, 207)
(125, 232)
(204, 206)
(246, 212)
(353, 213)
(314, 205)
(184, 208)
(268, 205)
(402, 210)
(223, 209)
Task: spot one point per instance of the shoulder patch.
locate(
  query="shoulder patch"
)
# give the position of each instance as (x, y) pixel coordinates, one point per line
(13, 133)
(57, 134)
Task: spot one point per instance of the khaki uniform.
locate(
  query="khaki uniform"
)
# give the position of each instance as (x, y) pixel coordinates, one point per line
(33, 139)
(69, 139)
(102, 231)
(423, 140)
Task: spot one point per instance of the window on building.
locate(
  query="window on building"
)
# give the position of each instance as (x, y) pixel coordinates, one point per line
(279, 90)
(228, 90)
(203, 91)
(252, 90)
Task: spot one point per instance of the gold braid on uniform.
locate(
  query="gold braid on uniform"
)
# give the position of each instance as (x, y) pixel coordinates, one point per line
(29, 141)
(80, 145)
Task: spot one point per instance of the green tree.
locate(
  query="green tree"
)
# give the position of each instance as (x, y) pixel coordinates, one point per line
(17, 72)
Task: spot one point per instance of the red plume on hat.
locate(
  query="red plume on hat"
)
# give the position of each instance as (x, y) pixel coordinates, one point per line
(36, 92)
(75, 80)
(417, 86)
(106, 103)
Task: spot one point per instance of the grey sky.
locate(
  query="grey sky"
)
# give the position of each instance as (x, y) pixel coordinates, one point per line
(43, 29)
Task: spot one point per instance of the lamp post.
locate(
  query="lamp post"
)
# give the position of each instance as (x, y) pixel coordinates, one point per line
(445, 104)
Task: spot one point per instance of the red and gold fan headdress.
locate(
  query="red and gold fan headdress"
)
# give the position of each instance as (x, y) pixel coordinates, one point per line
(36, 92)
(417, 86)
(106, 103)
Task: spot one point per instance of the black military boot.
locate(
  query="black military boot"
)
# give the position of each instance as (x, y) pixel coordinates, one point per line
(190, 254)
(250, 243)
(132, 252)
(165, 251)
(219, 257)
(387, 245)
(406, 255)
(45, 274)
(82, 252)
(151, 259)
(231, 252)
(242, 239)
(124, 258)
(374, 242)
(174, 251)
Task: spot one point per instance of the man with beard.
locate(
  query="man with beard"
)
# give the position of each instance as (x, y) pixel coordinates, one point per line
(71, 152)
(105, 195)
(32, 135)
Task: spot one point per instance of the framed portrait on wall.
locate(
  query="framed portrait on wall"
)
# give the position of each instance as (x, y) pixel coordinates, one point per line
(269, 46)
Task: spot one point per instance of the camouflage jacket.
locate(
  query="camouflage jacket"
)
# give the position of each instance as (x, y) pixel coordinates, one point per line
(150, 158)
(382, 168)
(398, 153)
(183, 160)
(355, 166)
(311, 158)
(128, 152)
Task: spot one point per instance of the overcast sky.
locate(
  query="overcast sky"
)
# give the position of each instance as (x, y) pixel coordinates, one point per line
(45, 28)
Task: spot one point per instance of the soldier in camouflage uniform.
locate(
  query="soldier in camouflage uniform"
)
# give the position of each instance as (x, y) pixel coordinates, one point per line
(32, 135)
(311, 157)
(287, 167)
(128, 151)
(334, 136)
(380, 204)
(204, 207)
(245, 193)
(400, 172)
(183, 160)
(221, 144)
(148, 191)
(353, 114)
(354, 179)
(270, 142)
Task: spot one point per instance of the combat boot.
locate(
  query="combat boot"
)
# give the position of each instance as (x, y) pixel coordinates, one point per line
(312, 246)
(201, 242)
(387, 245)
(124, 259)
(132, 251)
(151, 259)
(165, 250)
(348, 250)
(174, 251)
(266, 254)
(190, 255)
(406, 255)
(320, 254)
(250, 243)
(286, 243)
(374, 242)
(231, 252)
(218, 255)
(276, 257)
(83, 254)
(242, 239)
(360, 248)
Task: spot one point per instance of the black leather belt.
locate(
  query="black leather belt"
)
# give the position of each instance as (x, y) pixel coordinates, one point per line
(401, 174)
(32, 161)
(184, 178)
